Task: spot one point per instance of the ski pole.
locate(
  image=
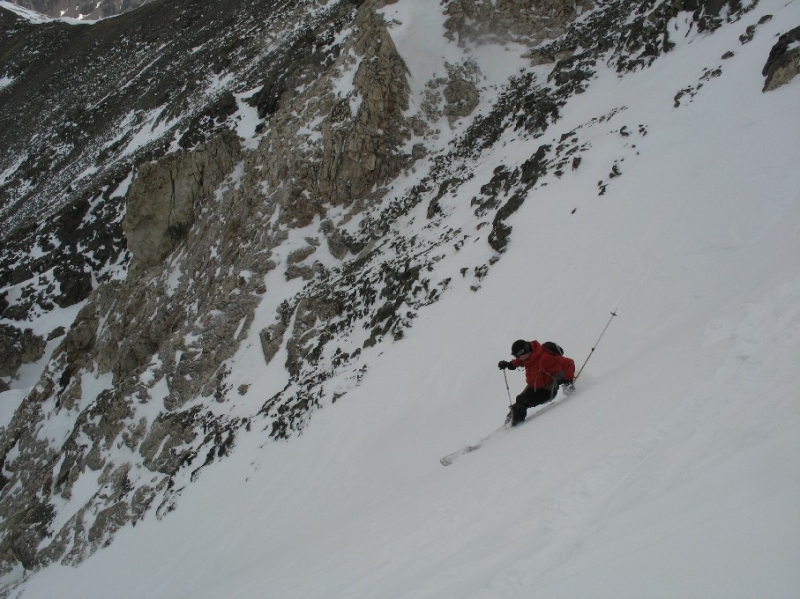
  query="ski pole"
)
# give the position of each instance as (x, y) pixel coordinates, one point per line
(507, 388)
(613, 314)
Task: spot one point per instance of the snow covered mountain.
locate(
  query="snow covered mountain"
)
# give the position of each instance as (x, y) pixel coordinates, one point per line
(260, 260)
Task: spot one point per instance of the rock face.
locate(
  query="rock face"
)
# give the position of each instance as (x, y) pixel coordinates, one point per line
(168, 250)
(128, 89)
(18, 348)
(163, 198)
(783, 63)
(530, 22)
(363, 150)
(361, 135)
(201, 223)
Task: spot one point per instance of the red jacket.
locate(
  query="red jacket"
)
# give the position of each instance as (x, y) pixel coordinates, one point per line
(542, 367)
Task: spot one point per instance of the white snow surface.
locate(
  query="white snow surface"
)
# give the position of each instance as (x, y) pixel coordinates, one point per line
(674, 471)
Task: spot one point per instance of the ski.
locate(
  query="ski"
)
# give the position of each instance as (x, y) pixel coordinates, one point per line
(452, 457)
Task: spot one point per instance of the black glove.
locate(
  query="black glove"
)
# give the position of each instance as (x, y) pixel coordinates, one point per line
(502, 365)
(568, 387)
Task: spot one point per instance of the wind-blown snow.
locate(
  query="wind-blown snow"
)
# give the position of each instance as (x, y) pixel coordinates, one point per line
(674, 471)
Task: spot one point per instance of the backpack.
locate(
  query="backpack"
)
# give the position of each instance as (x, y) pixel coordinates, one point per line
(553, 348)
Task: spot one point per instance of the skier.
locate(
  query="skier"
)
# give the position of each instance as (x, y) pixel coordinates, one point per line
(545, 369)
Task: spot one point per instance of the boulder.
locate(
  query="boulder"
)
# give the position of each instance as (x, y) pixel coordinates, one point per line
(783, 63)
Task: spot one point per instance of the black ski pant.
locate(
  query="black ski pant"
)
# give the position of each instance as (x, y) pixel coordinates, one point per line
(530, 398)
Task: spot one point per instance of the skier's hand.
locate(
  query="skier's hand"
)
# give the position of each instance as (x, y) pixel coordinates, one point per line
(569, 388)
(502, 365)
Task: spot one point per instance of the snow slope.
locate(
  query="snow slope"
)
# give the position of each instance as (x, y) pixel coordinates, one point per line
(675, 469)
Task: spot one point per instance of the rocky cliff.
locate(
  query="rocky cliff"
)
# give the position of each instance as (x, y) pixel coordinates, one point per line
(237, 160)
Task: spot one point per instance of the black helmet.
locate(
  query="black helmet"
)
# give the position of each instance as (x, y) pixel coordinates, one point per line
(520, 347)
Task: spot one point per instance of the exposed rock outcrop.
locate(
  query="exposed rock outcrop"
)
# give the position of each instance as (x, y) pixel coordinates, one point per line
(165, 194)
(18, 348)
(357, 145)
(481, 21)
(783, 63)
